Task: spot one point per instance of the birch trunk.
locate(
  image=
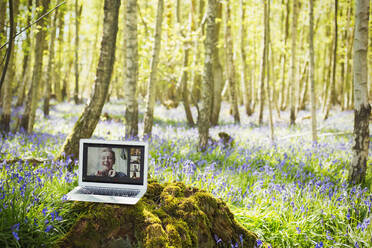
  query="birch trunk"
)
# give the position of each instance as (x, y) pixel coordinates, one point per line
(230, 66)
(9, 69)
(333, 84)
(217, 73)
(263, 67)
(26, 47)
(293, 81)
(182, 83)
(268, 91)
(88, 120)
(3, 35)
(206, 98)
(28, 117)
(362, 108)
(312, 82)
(130, 84)
(49, 75)
(284, 91)
(76, 61)
(150, 97)
(243, 57)
(58, 78)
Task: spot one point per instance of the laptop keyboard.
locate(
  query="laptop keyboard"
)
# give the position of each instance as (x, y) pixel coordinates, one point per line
(107, 191)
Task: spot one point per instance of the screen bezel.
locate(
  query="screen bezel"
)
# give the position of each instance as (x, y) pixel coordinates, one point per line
(86, 180)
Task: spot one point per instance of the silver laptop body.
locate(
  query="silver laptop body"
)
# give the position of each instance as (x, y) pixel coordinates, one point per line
(124, 183)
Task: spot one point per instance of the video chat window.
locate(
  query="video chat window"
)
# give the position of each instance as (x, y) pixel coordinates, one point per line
(113, 163)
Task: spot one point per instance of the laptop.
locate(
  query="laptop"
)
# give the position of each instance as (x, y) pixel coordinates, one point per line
(111, 171)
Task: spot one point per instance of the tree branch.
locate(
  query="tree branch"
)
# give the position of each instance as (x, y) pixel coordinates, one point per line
(28, 26)
(9, 50)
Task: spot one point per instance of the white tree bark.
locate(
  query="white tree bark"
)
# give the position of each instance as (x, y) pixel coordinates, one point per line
(206, 97)
(130, 83)
(312, 83)
(150, 97)
(362, 108)
(293, 81)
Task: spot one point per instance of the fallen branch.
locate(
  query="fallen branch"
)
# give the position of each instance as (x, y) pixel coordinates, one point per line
(29, 160)
(320, 135)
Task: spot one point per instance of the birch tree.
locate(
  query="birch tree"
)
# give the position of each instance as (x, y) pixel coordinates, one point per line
(150, 96)
(217, 72)
(182, 83)
(8, 70)
(78, 11)
(49, 73)
(230, 66)
(207, 84)
(293, 81)
(263, 67)
(87, 122)
(28, 117)
(130, 83)
(312, 83)
(362, 108)
(243, 74)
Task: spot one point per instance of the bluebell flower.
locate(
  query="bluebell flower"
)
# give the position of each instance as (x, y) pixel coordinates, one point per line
(241, 239)
(45, 211)
(259, 243)
(48, 228)
(15, 229)
(218, 240)
(319, 245)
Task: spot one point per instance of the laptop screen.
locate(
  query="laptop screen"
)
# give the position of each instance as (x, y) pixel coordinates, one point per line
(113, 163)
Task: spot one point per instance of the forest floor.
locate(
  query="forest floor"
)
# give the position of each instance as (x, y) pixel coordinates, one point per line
(292, 193)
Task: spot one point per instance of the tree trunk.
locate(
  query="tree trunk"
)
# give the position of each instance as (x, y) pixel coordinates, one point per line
(303, 87)
(344, 44)
(130, 84)
(26, 47)
(293, 81)
(230, 66)
(275, 93)
(8, 67)
(312, 82)
(58, 78)
(362, 108)
(284, 90)
(150, 97)
(263, 67)
(206, 98)
(28, 117)
(328, 85)
(268, 94)
(333, 84)
(77, 24)
(195, 73)
(50, 70)
(182, 83)
(243, 57)
(88, 120)
(217, 73)
(348, 53)
(3, 35)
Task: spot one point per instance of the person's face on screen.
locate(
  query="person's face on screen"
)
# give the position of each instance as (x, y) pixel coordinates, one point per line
(107, 160)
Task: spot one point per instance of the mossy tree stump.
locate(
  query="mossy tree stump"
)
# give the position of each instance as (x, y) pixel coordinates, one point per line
(169, 215)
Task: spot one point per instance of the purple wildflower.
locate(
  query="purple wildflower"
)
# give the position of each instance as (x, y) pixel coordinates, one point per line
(48, 228)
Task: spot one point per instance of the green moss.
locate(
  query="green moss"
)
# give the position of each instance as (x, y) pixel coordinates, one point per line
(169, 215)
(155, 236)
